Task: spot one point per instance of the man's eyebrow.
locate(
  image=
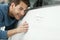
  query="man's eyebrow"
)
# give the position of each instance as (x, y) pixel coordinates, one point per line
(23, 8)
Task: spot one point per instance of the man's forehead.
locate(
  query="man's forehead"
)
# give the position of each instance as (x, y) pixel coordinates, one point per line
(23, 5)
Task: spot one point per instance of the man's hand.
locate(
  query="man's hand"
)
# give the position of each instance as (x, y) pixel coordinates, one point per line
(22, 28)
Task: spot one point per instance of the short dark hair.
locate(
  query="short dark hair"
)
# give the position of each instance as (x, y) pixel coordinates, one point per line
(27, 2)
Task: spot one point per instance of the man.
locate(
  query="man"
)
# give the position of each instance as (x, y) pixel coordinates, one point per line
(9, 16)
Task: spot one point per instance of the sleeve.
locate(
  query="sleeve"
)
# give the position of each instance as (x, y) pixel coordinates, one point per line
(3, 34)
(1, 19)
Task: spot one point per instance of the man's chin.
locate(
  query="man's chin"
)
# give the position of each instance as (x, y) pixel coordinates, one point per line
(17, 18)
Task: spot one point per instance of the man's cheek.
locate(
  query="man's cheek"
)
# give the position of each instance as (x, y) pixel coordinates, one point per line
(18, 16)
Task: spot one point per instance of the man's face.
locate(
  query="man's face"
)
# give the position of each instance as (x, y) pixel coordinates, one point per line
(19, 10)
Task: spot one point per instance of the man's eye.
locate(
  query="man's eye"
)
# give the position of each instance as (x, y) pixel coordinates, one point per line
(25, 11)
(20, 8)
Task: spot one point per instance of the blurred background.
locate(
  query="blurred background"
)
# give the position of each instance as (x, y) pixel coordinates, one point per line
(37, 3)
(3, 1)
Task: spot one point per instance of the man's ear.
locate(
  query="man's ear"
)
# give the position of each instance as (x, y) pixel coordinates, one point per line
(12, 5)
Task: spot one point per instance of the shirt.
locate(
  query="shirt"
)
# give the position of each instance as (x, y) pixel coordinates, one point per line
(6, 20)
